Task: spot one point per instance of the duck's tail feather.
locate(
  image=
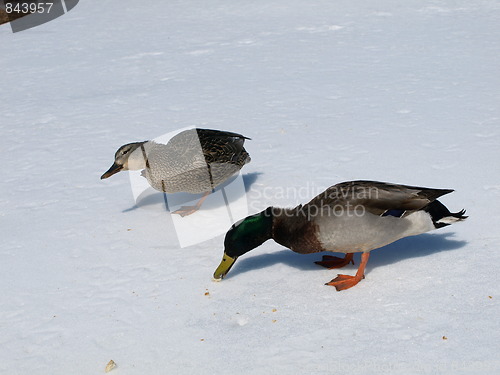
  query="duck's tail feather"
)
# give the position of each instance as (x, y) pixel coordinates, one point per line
(441, 216)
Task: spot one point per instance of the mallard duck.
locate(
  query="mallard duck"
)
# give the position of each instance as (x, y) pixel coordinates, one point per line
(194, 161)
(354, 216)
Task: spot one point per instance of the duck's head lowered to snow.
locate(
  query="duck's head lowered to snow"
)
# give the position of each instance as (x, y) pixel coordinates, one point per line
(126, 159)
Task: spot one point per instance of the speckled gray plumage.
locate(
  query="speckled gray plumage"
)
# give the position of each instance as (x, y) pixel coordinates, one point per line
(194, 161)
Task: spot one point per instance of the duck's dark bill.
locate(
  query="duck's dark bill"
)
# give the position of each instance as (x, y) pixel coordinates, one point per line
(115, 168)
(224, 267)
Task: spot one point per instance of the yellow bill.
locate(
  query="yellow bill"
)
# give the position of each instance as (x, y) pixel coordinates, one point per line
(224, 267)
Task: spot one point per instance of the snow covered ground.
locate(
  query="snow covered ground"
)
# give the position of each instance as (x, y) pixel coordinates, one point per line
(329, 91)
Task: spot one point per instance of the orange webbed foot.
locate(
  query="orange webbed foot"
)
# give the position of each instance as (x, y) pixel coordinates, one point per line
(332, 262)
(186, 210)
(342, 282)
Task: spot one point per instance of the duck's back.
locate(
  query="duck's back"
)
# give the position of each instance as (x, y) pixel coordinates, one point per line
(195, 160)
(358, 216)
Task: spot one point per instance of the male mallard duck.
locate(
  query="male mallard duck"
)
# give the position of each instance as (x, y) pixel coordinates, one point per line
(355, 216)
(193, 161)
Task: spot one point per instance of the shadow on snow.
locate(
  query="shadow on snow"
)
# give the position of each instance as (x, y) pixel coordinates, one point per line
(152, 198)
(406, 248)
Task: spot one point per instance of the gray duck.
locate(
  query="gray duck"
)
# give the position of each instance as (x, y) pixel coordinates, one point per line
(194, 161)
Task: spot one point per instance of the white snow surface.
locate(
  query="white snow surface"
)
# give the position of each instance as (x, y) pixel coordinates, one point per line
(329, 91)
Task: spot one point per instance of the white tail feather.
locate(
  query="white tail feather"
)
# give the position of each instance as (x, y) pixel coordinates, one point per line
(449, 220)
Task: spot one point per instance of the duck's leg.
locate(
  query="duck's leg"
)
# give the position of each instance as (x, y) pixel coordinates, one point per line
(330, 262)
(188, 210)
(342, 282)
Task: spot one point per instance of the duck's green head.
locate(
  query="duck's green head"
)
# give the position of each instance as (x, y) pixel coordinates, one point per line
(244, 236)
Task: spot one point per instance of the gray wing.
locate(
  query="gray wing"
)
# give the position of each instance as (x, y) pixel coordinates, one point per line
(378, 198)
